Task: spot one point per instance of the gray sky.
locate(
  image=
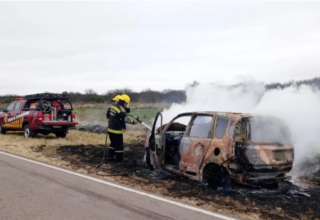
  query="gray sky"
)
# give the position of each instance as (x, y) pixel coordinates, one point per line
(73, 46)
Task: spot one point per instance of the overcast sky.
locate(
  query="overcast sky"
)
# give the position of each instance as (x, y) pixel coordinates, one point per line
(73, 46)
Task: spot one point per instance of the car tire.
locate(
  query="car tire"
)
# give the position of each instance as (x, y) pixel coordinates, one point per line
(213, 175)
(61, 135)
(27, 132)
(2, 130)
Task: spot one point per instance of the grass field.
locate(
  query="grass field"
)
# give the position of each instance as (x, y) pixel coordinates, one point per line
(98, 116)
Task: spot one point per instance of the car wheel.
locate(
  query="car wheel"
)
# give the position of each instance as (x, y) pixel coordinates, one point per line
(61, 135)
(27, 132)
(2, 130)
(213, 175)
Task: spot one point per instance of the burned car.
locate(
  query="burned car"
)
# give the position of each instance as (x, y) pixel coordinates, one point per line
(214, 146)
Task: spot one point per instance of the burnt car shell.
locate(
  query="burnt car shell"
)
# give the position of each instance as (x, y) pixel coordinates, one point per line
(227, 145)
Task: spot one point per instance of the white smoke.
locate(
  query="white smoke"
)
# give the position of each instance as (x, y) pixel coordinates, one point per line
(297, 106)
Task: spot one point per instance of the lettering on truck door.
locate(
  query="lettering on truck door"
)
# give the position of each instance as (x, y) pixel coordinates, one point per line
(9, 114)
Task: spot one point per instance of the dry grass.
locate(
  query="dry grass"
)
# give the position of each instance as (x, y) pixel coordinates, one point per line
(15, 143)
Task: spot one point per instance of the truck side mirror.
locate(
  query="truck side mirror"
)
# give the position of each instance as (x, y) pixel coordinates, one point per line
(2, 110)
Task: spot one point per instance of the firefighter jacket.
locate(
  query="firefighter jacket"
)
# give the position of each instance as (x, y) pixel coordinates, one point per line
(108, 118)
(117, 119)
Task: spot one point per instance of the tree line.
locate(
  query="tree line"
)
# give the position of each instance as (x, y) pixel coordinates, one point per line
(145, 96)
(152, 96)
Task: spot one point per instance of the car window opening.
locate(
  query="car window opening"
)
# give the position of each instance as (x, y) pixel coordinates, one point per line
(221, 127)
(201, 127)
(175, 132)
(268, 130)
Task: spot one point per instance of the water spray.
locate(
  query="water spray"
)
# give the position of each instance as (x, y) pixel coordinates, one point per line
(144, 124)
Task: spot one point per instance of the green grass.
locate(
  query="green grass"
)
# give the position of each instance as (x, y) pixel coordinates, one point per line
(98, 116)
(146, 114)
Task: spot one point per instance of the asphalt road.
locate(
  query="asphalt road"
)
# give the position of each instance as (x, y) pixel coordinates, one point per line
(33, 191)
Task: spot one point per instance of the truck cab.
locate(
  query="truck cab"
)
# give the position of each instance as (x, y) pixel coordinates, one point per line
(39, 114)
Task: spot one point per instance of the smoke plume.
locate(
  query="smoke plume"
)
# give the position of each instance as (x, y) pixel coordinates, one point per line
(298, 107)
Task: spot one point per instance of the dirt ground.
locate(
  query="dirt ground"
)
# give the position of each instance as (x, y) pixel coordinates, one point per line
(82, 151)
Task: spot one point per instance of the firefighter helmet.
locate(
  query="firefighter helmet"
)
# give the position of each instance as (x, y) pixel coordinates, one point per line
(125, 98)
(116, 98)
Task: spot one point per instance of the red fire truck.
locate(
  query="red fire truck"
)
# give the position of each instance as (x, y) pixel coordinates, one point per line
(39, 113)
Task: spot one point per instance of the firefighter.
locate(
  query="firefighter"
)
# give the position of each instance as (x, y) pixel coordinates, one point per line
(118, 118)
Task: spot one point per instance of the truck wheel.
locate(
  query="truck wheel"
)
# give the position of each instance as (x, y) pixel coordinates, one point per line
(61, 135)
(213, 175)
(27, 132)
(2, 130)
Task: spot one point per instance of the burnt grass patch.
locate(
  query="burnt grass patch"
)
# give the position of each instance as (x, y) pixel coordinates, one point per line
(285, 202)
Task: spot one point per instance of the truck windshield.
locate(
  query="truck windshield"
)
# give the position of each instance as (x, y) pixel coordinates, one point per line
(269, 130)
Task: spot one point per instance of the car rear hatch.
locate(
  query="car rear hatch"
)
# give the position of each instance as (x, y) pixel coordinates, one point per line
(269, 153)
(269, 158)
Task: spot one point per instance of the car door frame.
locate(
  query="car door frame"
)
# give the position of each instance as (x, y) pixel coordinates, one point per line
(156, 142)
(222, 144)
(197, 146)
(153, 142)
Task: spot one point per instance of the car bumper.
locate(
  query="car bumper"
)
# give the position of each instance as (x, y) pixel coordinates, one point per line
(260, 178)
(53, 128)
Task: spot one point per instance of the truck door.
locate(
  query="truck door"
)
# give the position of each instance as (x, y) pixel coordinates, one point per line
(8, 114)
(195, 145)
(18, 115)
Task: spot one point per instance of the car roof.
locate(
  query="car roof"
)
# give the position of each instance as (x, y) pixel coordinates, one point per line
(226, 114)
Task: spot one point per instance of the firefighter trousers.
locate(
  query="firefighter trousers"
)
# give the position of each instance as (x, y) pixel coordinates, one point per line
(116, 146)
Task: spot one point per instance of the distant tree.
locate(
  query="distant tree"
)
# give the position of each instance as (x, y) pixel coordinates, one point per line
(149, 95)
(90, 92)
(97, 99)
